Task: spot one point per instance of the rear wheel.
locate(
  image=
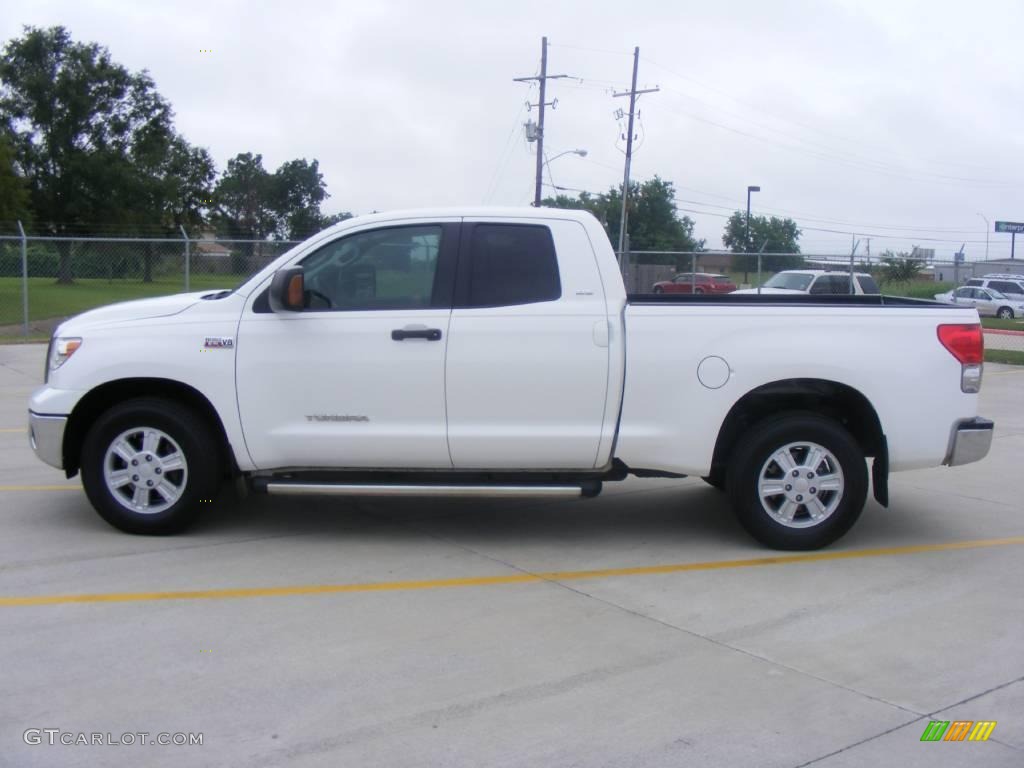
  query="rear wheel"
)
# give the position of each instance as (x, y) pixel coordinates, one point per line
(658, 289)
(1005, 313)
(797, 482)
(148, 465)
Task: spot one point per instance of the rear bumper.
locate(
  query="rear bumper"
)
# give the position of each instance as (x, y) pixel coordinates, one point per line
(46, 436)
(970, 441)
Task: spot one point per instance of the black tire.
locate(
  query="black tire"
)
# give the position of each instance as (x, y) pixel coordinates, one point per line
(715, 480)
(198, 483)
(1005, 313)
(756, 448)
(658, 289)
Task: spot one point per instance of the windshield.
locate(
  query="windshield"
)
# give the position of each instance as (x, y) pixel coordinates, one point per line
(790, 281)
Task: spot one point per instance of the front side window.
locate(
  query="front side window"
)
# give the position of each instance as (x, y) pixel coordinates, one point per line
(512, 264)
(392, 268)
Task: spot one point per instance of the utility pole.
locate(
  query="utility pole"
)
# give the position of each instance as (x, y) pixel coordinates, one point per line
(543, 77)
(632, 93)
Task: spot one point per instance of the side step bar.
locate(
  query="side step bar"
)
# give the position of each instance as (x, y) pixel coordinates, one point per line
(284, 487)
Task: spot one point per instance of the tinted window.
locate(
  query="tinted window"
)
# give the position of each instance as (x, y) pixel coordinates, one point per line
(831, 284)
(512, 264)
(868, 284)
(974, 282)
(380, 269)
(1005, 286)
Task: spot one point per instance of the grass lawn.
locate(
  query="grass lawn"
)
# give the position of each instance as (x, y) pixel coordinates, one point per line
(47, 299)
(1003, 325)
(1010, 356)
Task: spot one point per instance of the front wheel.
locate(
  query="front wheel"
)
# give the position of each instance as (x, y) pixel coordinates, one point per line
(658, 289)
(149, 464)
(797, 481)
(1005, 313)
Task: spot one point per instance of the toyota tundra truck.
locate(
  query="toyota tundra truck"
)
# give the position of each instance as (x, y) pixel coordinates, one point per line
(496, 353)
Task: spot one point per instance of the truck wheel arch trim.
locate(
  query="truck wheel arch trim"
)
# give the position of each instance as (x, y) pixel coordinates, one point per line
(102, 397)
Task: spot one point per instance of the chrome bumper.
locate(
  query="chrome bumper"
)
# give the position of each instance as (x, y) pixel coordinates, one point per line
(46, 436)
(970, 442)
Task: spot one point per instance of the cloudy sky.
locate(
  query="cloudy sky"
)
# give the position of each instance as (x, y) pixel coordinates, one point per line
(895, 120)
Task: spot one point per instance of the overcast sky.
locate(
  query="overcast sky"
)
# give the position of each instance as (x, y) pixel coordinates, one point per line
(899, 120)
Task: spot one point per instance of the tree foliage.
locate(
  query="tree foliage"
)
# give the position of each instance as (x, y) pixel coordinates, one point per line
(768, 234)
(899, 266)
(13, 187)
(653, 222)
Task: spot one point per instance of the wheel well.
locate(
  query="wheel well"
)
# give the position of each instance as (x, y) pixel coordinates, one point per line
(99, 400)
(828, 398)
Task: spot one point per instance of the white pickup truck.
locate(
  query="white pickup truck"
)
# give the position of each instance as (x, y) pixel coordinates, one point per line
(494, 352)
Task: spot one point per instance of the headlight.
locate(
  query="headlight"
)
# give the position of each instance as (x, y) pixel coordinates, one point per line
(61, 349)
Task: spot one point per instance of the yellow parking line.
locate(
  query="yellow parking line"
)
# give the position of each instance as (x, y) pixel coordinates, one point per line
(40, 487)
(517, 578)
(13, 429)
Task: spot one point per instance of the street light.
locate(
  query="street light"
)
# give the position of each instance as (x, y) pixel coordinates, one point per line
(548, 160)
(746, 239)
(987, 228)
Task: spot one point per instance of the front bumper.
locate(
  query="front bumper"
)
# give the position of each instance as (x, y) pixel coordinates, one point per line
(970, 442)
(46, 436)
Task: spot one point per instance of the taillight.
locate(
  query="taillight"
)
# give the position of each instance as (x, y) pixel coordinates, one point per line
(967, 344)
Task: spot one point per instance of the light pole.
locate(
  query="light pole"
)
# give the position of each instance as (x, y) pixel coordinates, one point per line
(987, 228)
(549, 160)
(746, 238)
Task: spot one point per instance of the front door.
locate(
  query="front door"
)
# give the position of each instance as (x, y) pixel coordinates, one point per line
(357, 378)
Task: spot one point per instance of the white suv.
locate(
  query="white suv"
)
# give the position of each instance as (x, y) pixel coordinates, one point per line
(1011, 286)
(816, 281)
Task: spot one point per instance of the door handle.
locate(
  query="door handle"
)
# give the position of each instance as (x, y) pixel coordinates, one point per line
(430, 334)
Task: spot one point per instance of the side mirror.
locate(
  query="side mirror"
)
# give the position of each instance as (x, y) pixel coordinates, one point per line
(288, 290)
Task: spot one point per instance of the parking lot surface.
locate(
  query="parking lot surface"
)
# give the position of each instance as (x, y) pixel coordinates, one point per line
(639, 628)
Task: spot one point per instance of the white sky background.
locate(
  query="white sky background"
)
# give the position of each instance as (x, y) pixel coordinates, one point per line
(898, 118)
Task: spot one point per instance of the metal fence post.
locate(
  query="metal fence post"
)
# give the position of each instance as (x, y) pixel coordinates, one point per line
(24, 277)
(693, 274)
(188, 256)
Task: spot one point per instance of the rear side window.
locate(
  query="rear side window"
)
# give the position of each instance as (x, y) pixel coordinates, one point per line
(974, 282)
(1005, 286)
(512, 264)
(868, 284)
(831, 284)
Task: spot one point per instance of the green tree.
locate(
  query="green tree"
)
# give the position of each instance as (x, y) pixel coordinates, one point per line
(898, 267)
(78, 121)
(653, 222)
(771, 235)
(13, 188)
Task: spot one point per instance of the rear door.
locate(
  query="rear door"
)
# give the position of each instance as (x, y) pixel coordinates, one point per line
(527, 368)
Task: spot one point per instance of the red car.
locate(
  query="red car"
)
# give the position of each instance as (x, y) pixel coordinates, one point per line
(700, 282)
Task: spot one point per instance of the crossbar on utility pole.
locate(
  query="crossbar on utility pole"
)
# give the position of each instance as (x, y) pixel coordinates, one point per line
(24, 278)
(188, 256)
(632, 93)
(543, 77)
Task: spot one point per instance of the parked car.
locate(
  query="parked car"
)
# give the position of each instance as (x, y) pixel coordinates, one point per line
(696, 282)
(1011, 286)
(495, 352)
(817, 282)
(987, 301)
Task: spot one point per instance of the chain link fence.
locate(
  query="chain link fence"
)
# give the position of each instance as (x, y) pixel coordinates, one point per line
(44, 280)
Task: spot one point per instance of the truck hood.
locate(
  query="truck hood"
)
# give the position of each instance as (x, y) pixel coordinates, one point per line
(776, 291)
(140, 309)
